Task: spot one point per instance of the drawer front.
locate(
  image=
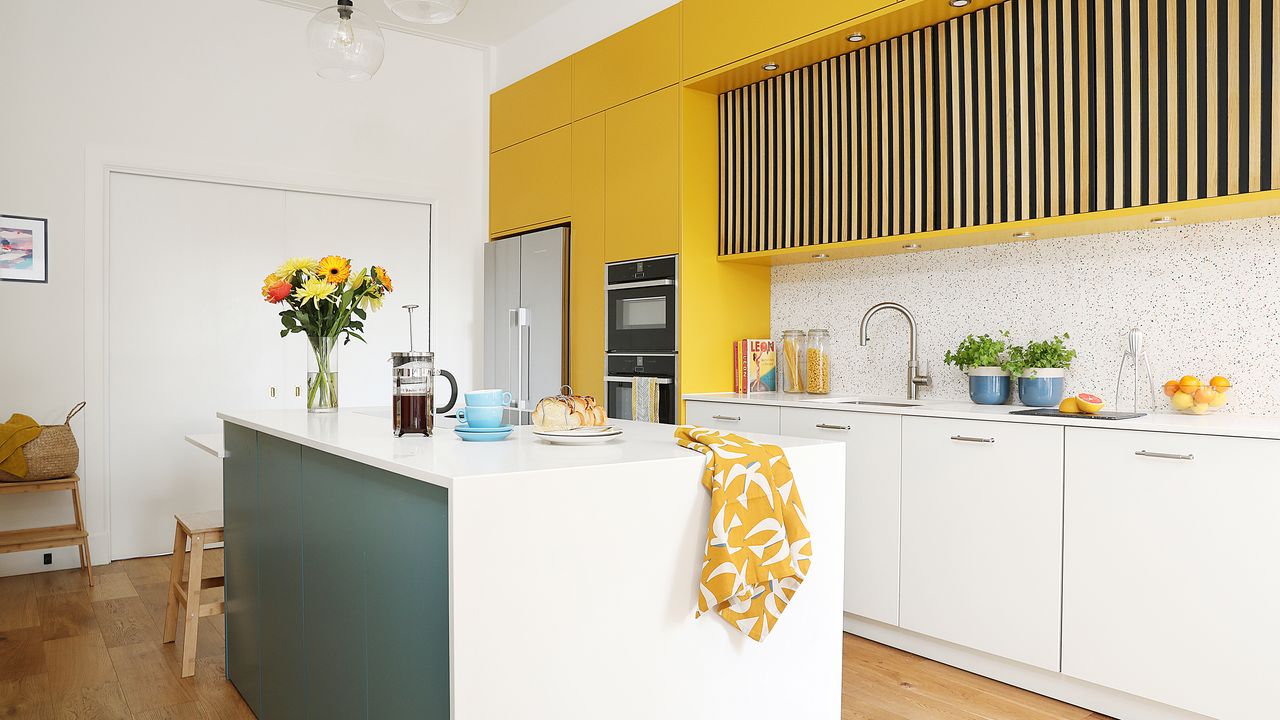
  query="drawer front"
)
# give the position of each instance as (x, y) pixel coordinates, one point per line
(1169, 572)
(982, 536)
(873, 489)
(733, 417)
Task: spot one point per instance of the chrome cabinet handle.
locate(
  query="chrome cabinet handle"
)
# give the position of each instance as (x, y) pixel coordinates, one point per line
(966, 438)
(272, 391)
(730, 418)
(1166, 456)
(825, 426)
(297, 391)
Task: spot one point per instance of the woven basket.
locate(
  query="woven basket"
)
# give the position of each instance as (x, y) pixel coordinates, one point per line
(53, 454)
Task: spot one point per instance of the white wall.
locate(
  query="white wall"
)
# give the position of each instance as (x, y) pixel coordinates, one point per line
(1205, 295)
(565, 32)
(199, 86)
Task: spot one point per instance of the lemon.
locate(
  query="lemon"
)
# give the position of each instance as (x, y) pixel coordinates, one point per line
(1181, 401)
(1200, 408)
(1218, 400)
(1068, 405)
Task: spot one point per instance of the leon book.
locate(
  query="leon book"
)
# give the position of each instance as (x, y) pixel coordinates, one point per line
(761, 360)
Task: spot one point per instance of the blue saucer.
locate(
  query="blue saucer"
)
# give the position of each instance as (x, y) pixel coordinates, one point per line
(483, 434)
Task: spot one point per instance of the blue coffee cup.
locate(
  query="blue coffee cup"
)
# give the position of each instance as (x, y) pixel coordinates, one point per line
(488, 398)
(481, 417)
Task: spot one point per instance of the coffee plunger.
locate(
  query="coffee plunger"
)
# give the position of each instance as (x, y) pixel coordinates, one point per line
(413, 375)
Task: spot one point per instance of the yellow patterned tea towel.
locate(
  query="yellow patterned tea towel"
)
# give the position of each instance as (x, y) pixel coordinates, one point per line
(758, 548)
(644, 399)
(18, 431)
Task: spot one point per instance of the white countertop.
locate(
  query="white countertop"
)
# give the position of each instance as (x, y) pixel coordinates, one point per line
(364, 435)
(1249, 426)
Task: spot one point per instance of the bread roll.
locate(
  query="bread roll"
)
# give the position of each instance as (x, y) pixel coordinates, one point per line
(567, 412)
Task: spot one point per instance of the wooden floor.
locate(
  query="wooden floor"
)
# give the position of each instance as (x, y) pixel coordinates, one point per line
(70, 652)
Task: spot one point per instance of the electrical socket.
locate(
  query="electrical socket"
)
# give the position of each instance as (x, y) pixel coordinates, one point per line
(48, 558)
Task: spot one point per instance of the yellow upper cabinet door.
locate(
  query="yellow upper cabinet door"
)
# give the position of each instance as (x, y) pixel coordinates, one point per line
(642, 177)
(586, 259)
(634, 62)
(720, 32)
(529, 182)
(532, 106)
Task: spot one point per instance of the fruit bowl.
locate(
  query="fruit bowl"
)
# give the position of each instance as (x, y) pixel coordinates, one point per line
(1190, 396)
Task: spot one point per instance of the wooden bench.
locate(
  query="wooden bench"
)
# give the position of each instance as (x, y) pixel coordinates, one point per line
(53, 536)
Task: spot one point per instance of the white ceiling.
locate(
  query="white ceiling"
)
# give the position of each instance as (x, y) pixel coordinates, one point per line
(484, 22)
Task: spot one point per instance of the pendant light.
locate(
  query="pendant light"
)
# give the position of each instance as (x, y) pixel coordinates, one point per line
(345, 43)
(427, 12)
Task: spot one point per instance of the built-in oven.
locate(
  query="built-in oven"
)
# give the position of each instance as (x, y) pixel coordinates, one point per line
(620, 373)
(641, 300)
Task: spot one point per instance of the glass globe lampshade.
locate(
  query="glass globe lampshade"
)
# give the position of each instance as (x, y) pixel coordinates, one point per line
(345, 44)
(427, 12)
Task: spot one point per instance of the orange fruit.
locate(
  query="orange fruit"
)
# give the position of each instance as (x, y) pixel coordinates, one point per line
(1220, 383)
(1170, 388)
(1089, 403)
(1203, 395)
(1189, 384)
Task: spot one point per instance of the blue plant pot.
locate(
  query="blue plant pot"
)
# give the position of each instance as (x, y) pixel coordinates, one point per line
(1040, 391)
(989, 389)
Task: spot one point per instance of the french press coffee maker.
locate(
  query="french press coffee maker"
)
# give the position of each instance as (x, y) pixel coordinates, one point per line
(413, 376)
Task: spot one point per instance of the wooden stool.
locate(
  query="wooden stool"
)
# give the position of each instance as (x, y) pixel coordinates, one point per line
(54, 536)
(202, 529)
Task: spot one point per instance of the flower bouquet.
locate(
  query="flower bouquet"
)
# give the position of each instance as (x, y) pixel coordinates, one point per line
(325, 301)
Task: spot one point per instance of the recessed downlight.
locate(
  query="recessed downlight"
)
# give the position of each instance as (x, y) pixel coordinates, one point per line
(1024, 235)
(820, 256)
(770, 66)
(911, 246)
(959, 3)
(856, 37)
(1163, 220)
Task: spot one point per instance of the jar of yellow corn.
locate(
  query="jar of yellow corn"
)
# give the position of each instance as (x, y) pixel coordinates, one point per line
(791, 362)
(818, 362)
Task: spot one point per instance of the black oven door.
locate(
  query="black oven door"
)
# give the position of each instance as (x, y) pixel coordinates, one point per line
(621, 369)
(642, 317)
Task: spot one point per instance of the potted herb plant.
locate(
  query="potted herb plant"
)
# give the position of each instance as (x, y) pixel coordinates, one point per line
(980, 358)
(1040, 367)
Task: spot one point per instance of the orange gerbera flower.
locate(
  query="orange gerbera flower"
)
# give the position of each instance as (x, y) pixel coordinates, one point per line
(383, 277)
(335, 269)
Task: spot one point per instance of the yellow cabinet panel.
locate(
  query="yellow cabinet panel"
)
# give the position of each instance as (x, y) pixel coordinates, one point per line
(532, 106)
(637, 61)
(642, 177)
(586, 259)
(720, 32)
(529, 182)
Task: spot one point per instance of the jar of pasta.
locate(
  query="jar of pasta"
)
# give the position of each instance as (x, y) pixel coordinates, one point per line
(791, 361)
(818, 362)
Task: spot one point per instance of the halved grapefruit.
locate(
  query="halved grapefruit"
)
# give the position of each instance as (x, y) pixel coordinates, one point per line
(1089, 403)
(1069, 406)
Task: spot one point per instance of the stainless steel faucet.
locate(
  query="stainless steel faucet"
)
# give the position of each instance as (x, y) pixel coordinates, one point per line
(914, 378)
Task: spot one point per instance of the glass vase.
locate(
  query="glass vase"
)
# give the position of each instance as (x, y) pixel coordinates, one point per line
(322, 374)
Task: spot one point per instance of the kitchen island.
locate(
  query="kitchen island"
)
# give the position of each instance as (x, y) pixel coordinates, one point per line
(370, 576)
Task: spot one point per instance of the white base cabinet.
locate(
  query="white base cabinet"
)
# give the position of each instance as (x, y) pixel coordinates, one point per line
(733, 417)
(1171, 579)
(982, 536)
(873, 456)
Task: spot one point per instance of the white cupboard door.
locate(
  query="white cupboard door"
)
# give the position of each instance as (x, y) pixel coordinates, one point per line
(189, 334)
(395, 235)
(733, 417)
(1170, 579)
(982, 536)
(873, 457)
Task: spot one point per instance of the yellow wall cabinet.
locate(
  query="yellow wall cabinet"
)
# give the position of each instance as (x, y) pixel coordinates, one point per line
(719, 32)
(537, 104)
(529, 182)
(642, 177)
(586, 259)
(637, 61)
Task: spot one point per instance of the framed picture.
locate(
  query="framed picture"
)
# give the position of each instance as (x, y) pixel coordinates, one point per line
(24, 249)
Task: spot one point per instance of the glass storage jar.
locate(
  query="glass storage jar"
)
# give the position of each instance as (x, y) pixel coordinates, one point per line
(791, 362)
(818, 362)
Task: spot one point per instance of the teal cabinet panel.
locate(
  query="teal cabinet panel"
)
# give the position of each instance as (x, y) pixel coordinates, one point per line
(407, 587)
(283, 639)
(334, 525)
(240, 559)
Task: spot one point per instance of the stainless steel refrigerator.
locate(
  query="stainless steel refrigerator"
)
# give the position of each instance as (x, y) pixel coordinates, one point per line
(525, 328)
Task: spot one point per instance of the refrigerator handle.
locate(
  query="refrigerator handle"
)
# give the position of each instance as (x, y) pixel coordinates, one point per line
(520, 321)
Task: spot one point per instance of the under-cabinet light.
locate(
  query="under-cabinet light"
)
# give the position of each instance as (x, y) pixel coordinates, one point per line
(1163, 220)
(1024, 234)
(770, 66)
(856, 37)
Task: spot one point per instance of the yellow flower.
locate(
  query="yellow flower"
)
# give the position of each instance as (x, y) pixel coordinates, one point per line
(335, 269)
(357, 280)
(298, 264)
(383, 277)
(315, 291)
(371, 303)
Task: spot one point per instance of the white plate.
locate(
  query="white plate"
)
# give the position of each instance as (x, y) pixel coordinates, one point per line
(581, 432)
(568, 437)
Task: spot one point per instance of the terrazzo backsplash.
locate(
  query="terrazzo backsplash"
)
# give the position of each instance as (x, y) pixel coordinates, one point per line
(1207, 296)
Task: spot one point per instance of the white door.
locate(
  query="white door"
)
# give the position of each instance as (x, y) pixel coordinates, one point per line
(982, 536)
(872, 494)
(1170, 577)
(189, 334)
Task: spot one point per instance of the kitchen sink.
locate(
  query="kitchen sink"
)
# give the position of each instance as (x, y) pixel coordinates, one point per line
(858, 401)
